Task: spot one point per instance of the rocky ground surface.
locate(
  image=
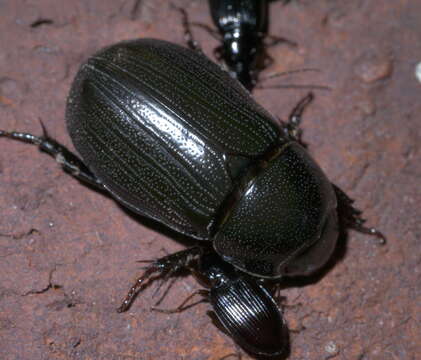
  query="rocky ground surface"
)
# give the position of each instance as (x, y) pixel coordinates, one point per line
(68, 254)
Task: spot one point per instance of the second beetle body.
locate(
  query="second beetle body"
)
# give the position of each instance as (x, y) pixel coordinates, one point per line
(175, 139)
(242, 25)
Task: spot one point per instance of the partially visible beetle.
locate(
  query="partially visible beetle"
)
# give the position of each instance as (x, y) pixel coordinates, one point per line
(174, 138)
(242, 25)
(242, 306)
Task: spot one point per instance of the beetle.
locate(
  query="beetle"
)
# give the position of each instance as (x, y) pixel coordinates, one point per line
(242, 26)
(171, 136)
(242, 306)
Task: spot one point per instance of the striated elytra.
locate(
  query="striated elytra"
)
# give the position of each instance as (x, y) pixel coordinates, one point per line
(245, 308)
(174, 138)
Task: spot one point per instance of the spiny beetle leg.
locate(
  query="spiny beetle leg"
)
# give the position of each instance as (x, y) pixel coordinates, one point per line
(166, 265)
(68, 161)
(202, 292)
(351, 217)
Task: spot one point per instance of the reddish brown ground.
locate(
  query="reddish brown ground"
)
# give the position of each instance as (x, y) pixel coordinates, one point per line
(61, 283)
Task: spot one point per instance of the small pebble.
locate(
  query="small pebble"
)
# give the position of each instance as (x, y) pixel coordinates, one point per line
(367, 107)
(372, 67)
(418, 71)
(331, 348)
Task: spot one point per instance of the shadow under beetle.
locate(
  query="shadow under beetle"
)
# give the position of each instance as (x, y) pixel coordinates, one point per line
(171, 136)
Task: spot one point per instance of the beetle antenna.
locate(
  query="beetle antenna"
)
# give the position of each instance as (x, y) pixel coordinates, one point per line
(291, 86)
(288, 72)
(295, 86)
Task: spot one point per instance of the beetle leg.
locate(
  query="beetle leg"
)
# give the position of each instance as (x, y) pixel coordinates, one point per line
(164, 294)
(188, 35)
(351, 216)
(161, 267)
(292, 126)
(294, 119)
(288, 86)
(202, 292)
(68, 161)
(275, 40)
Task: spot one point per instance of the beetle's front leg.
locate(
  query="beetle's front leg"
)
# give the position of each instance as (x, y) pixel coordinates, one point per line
(164, 266)
(350, 217)
(292, 126)
(294, 119)
(68, 161)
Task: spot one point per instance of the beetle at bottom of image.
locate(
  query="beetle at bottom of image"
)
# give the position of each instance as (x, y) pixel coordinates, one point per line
(168, 134)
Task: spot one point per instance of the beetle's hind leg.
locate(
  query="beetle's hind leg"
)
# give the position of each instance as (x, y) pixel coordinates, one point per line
(165, 266)
(70, 163)
(351, 217)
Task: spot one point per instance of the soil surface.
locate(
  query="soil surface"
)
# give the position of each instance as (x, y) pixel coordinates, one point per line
(68, 254)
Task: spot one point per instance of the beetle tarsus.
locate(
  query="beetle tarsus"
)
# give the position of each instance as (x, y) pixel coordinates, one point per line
(294, 119)
(138, 286)
(351, 216)
(292, 126)
(357, 225)
(24, 137)
(67, 160)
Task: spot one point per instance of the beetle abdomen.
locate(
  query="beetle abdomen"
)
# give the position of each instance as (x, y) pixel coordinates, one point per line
(166, 130)
(250, 316)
